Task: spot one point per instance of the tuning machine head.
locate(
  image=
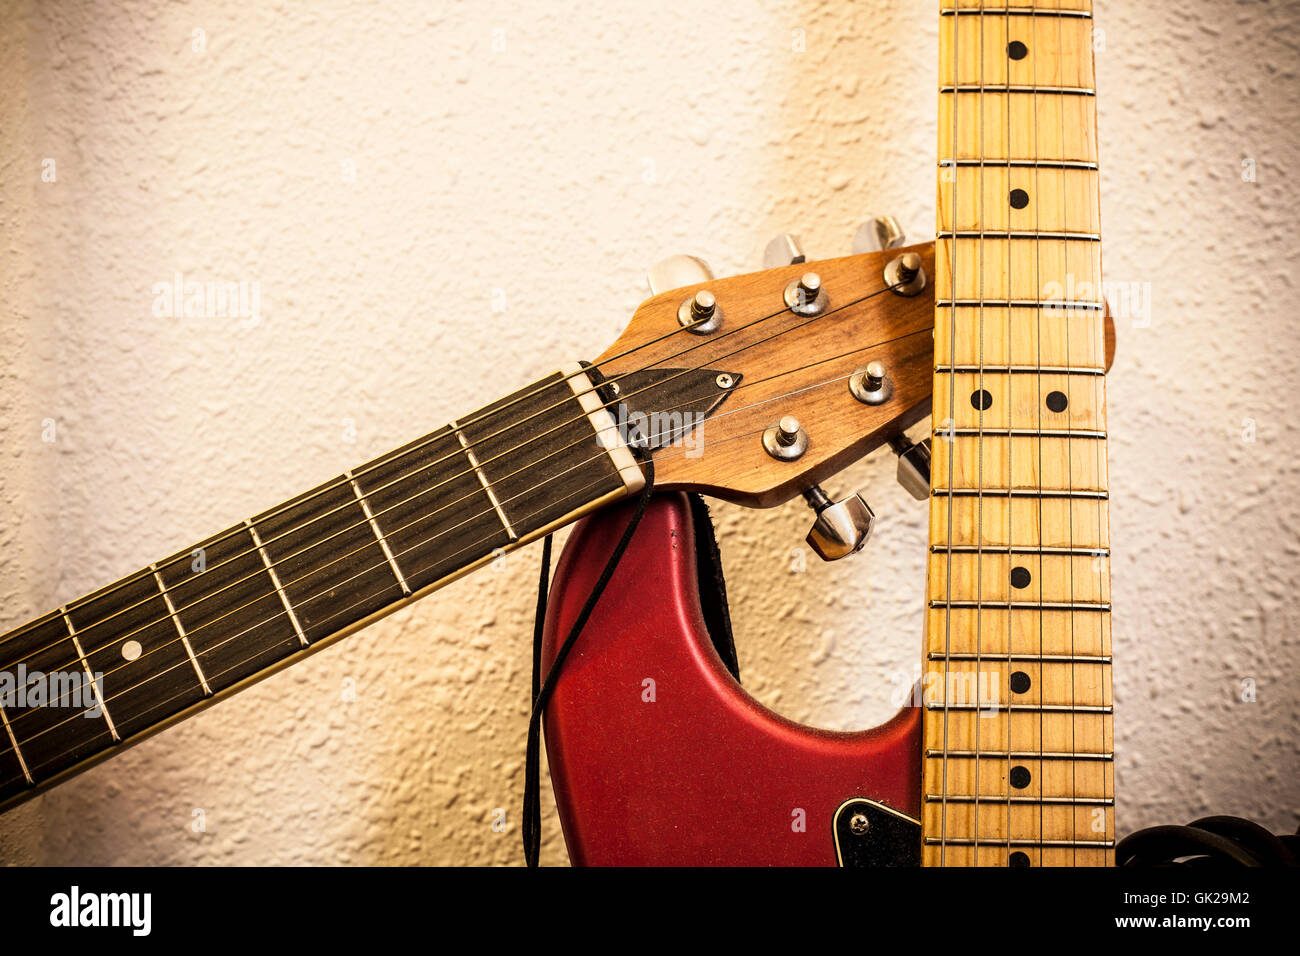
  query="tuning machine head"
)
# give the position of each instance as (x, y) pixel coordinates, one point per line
(842, 527)
(877, 234)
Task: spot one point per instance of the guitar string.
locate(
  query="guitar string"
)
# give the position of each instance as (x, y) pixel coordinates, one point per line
(427, 541)
(1038, 406)
(1011, 415)
(359, 498)
(982, 266)
(184, 663)
(1069, 452)
(437, 435)
(952, 420)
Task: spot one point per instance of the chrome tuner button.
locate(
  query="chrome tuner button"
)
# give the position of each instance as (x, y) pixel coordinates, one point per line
(784, 250)
(786, 440)
(904, 275)
(805, 295)
(841, 528)
(913, 465)
(874, 235)
(870, 385)
(677, 271)
(700, 313)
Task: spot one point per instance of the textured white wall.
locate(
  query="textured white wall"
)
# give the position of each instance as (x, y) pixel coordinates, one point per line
(516, 160)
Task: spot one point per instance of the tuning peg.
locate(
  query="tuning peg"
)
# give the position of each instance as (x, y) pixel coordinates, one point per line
(677, 271)
(913, 465)
(841, 528)
(784, 250)
(875, 235)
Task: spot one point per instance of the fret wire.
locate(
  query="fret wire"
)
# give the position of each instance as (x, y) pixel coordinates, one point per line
(487, 485)
(931, 754)
(22, 761)
(1015, 12)
(180, 629)
(81, 655)
(1050, 801)
(1067, 164)
(383, 542)
(1049, 844)
(1005, 234)
(1025, 658)
(275, 580)
(1022, 605)
(1035, 90)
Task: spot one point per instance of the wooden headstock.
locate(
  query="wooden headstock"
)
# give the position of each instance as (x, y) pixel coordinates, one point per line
(790, 365)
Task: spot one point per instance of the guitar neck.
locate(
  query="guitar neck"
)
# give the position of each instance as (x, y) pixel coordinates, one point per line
(90, 678)
(1017, 727)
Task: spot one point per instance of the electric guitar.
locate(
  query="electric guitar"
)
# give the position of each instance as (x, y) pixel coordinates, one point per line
(754, 389)
(1004, 758)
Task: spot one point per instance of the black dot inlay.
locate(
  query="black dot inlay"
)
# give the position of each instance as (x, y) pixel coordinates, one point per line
(1017, 50)
(1019, 199)
(1057, 401)
(981, 399)
(1018, 859)
(1020, 777)
(1020, 682)
(1020, 577)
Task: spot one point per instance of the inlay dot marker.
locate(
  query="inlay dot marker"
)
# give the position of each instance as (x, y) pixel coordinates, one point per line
(1019, 858)
(981, 399)
(1020, 577)
(1057, 402)
(1019, 199)
(1020, 682)
(131, 650)
(1020, 777)
(1017, 50)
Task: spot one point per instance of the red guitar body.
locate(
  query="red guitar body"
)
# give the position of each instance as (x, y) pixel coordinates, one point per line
(657, 754)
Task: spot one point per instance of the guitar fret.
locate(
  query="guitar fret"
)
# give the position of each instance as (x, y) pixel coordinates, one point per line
(90, 677)
(22, 762)
(1021, 432)
(487, 485)
(1020, 88)
(1025, 658)
(383, 542)
(996, 841)
(990, 708)
(1060, 305)
(1049, 801)
(1015, 755)
(1018, 369)
(275, 580)
(1021, 163)
(1019, 605)
(1007, 234)
(1017, 493)
(180, 629)
(1014, 12)
(1018, 549)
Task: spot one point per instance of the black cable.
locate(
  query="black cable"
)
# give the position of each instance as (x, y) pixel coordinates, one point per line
(532, 818)
(1209, 841)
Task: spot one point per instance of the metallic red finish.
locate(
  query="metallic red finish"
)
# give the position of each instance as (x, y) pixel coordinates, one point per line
(704, 774)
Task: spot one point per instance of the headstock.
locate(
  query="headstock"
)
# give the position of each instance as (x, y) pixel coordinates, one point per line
(793, 363)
